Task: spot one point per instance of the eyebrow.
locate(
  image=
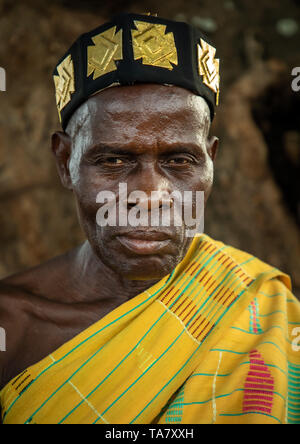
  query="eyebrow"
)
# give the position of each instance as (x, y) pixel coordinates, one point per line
(102, 148)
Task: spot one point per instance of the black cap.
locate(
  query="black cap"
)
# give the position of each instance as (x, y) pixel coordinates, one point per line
(135, 48)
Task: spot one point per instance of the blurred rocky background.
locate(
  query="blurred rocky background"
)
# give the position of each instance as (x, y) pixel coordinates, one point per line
(255, 202)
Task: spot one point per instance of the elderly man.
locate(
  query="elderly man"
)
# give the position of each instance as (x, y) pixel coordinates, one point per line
(145, 324)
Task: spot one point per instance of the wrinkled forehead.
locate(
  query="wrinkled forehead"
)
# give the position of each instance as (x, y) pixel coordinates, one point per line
(122, 106)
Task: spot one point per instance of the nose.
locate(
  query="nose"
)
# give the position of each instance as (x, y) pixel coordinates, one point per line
(150, 190)
(150, 201)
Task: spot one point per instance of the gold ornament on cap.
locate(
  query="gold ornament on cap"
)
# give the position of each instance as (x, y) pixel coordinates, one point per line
(209, 67)
(154, 46)
(107, 49)
(64, 83)
(149, 13)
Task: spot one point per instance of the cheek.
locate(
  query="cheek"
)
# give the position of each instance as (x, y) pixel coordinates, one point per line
(208, 178)
(203, 177)
(86, 215)
(88, 187)
(208, 183)
(85, 194)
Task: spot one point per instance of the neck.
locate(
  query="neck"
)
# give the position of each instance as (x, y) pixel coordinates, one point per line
(93, 281)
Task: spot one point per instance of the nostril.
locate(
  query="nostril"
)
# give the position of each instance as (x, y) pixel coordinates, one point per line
(141, 201)
(131, 204)
(154, 201)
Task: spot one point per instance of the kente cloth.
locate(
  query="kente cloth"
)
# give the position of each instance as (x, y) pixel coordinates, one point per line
(215, 341)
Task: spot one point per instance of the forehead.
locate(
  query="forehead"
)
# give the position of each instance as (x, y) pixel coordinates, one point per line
(135, 113)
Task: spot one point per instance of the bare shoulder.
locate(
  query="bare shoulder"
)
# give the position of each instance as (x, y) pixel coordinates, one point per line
(20, 291)
(13, 301)
(14, 320)
(25, 300)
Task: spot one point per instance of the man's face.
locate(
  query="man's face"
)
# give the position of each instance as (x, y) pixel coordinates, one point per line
(153, 138)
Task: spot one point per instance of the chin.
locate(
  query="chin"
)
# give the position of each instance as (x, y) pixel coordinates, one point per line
(155, 276)
(144, 268)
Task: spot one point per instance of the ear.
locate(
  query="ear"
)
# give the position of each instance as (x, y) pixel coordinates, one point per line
(212, 147)
(61, 148)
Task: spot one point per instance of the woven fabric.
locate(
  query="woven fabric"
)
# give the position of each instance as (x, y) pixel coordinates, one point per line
(214, 342)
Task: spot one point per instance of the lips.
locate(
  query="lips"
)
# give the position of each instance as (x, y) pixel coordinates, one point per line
(145, 242)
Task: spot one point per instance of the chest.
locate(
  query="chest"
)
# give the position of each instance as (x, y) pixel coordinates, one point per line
(46, 331)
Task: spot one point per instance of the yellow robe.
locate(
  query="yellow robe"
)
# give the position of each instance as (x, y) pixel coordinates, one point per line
(216, 341)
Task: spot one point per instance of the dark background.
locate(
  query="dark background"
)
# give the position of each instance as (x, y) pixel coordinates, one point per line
(255, 202)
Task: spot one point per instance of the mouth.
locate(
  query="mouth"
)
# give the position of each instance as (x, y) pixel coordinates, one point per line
(145, 242)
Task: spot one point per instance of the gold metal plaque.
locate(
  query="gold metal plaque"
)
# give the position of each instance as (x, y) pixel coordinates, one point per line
(209, 67)
(107, 49)
(153, 45)
(64, 83)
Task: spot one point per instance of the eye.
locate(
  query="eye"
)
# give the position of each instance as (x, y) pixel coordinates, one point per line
(179, 161)
(114, 160)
